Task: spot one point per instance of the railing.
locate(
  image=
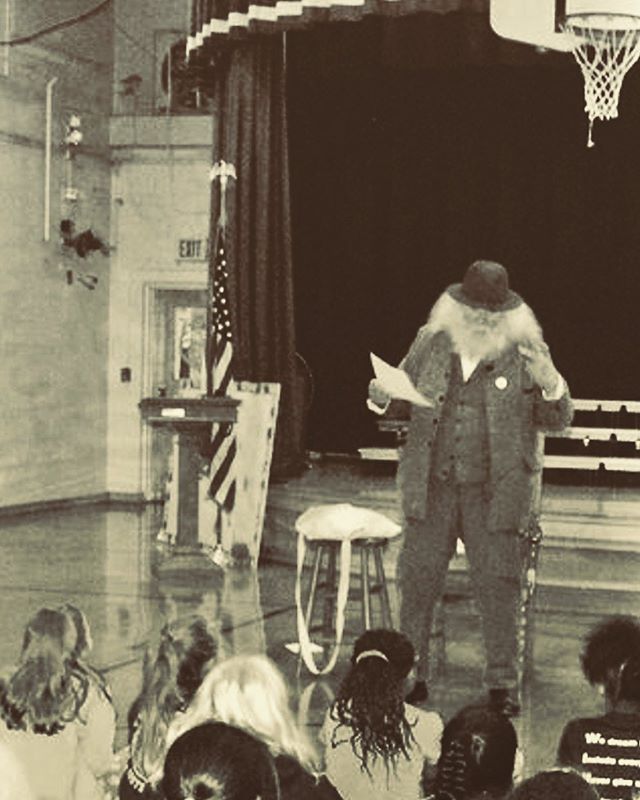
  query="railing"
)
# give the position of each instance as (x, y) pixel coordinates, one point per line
(605, 438)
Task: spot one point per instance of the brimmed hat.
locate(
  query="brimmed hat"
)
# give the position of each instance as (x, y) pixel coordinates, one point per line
(485, 285)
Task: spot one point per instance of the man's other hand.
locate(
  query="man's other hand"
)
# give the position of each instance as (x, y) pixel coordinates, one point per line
(540, 365)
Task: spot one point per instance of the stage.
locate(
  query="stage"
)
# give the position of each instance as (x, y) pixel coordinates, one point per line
(591, 533)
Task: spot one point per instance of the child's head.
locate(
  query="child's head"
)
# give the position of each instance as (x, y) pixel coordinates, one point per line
(394, 646)
(41, 694)
(611, 658)
(370, 700)
(83, 643)
(554, 784)
(250, 693)
(215, 761)
(170, 679)
(478, 755)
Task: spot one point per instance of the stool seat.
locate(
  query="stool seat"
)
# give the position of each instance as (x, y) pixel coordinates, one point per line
(340, 521)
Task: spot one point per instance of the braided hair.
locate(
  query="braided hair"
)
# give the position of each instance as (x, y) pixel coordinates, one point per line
(477, 757)
(370, 701)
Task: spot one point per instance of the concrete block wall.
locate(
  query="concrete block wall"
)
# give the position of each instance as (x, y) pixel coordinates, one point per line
(54, 337)
(144, 31)
(161, 195)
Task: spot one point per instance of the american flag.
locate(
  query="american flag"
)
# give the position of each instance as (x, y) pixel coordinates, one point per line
(222, 488)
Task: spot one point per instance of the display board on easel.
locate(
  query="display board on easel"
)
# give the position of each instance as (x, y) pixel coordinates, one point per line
(255, 433)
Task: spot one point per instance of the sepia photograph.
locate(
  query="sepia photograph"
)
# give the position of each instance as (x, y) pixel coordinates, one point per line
(320, 422)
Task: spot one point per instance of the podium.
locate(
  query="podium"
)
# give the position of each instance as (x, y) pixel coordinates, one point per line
(190, 419)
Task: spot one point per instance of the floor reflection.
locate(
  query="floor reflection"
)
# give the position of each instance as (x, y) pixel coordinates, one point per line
(104, 560)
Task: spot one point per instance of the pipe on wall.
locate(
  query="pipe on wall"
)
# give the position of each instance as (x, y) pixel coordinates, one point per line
(47, 159)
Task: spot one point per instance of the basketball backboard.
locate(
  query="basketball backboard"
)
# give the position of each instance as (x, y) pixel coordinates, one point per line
(540, 22)
(604, 36)
(534, 22)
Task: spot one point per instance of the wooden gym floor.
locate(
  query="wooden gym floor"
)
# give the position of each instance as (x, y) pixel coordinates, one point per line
(103, 559)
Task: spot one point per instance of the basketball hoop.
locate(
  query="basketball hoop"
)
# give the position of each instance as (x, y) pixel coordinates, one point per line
(605, 47)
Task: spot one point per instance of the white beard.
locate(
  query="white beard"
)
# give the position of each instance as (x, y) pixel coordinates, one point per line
(481, 334)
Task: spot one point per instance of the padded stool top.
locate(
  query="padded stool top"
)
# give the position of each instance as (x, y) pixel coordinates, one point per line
(336, 522)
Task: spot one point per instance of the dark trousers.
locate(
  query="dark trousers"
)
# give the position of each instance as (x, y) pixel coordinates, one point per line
(495, 566)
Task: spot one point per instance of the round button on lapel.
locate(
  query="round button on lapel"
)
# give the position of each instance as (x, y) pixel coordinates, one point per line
(501, 383)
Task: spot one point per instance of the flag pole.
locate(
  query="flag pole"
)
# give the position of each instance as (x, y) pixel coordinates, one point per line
(222, 171)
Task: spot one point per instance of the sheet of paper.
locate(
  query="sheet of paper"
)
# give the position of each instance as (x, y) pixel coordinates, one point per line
(397, 383)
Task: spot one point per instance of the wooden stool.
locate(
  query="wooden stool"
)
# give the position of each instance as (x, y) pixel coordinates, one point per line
(327, 550)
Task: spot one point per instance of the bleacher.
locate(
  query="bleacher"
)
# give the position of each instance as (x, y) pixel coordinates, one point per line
(604, 437)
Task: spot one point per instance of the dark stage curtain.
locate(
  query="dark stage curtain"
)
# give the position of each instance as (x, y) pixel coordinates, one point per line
(420, 144)
(215, 21)
(250, 131)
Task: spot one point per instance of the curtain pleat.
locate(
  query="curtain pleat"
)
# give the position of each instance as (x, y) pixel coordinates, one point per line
(213, 21)
(250, 131)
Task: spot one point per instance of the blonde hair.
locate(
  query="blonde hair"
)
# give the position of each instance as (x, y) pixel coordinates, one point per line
(249, 692)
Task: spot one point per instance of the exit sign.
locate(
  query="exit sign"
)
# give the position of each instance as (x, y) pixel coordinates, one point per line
(193, 249)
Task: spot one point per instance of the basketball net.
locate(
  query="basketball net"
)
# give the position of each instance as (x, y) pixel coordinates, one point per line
(605, 46)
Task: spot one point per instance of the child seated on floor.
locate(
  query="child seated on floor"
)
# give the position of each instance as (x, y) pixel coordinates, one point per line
(376, 745)
(479, 748)
(215, 761)
(51, 722)
(605, 748)
(186, 651)
(250, 693)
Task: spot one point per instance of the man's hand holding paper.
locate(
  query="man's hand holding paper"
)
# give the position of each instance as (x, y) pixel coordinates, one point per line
(395, 384)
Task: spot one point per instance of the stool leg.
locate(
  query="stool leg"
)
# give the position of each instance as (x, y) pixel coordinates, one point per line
(330, 592)
(313, 586)
(364, 579)
(382, 588)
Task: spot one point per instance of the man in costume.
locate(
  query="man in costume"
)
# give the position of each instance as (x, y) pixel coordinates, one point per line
(471, 466)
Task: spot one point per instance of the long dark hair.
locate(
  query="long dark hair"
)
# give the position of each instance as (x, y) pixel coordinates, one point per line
(216, 761)
(43, 694)
(478, 755)
(370, 701)
(81, 648)
(170, 679)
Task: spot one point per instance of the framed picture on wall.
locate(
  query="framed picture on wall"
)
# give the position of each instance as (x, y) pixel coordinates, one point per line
(189, 346)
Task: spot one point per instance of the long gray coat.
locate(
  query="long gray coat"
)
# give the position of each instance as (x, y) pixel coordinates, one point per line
(517, 416)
